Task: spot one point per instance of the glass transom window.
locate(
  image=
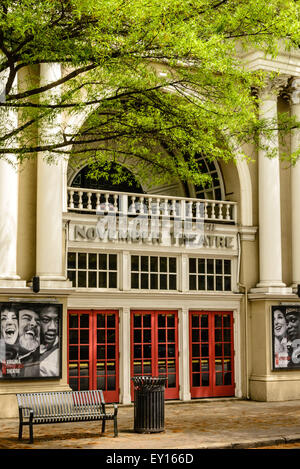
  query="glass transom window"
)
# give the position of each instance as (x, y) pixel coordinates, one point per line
(153, 273)
(210, 274)
(93, 270)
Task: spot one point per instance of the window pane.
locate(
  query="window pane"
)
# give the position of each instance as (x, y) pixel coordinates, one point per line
(112, 262)
(210, 266)
(72, 260)
(93, 261)
(134, 280)
(102, 280)
(112, 279)
(154, 281)
(201, 266)
(163, 282)
(84, 321)
(210, 282)
(192, 265)
(81, 278)
(81, 260)
(172, 264)
(163, 264)
(227, 267)
(144, 264)
(144, 281)
(92, 279)
(192, 282)
(172, 282)
(102, 261)
(219, 266)
(135, 263)
(73, 320)
(154, 264)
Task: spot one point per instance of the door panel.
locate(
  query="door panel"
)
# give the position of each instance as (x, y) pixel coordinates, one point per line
(154, 347)
(211, 354)
(93, 352)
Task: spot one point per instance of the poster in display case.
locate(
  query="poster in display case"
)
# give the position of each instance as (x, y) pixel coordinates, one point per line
(30, 340)
(286, 337)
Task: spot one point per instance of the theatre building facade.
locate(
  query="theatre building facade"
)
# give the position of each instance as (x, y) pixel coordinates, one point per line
(102, 283)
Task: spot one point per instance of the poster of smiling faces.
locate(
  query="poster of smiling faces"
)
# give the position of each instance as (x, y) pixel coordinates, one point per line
(286, 336)
(30, 340)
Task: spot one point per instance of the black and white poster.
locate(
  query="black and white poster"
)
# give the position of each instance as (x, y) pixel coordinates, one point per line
(30, 340)
(286, 336)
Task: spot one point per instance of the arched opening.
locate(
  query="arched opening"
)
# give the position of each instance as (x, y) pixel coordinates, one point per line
(129, 182)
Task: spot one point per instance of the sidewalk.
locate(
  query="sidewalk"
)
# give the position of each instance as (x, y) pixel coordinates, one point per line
(207, 424)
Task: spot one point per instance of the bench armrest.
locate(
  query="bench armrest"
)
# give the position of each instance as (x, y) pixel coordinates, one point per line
(22, 408)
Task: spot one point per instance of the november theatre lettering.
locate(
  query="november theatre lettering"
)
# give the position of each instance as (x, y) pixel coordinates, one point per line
(198, 237)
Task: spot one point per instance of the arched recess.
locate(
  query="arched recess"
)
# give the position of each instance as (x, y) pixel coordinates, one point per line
(76, 121)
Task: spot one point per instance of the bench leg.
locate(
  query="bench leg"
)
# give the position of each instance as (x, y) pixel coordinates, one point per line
(20, 430)
(115, 426)
(103, 425)
(30, 429)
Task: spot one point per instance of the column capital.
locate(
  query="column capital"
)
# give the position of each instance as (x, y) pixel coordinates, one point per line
(272, 87)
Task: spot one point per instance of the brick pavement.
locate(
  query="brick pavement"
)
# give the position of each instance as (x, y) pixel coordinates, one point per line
(212, 424)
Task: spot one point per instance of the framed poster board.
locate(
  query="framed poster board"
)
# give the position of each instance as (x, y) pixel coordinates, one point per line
(30, 340)
(286, 337)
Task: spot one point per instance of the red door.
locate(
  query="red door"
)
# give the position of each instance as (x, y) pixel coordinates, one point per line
(154, 347)
(211, 354)
(93, 352)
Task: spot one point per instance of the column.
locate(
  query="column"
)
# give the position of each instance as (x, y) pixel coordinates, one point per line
(9, 187)
(184, 354)
(270, 259)
(295, 184)
(125, 394)
(50, 173)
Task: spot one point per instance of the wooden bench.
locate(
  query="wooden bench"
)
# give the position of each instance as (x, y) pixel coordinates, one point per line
(63, 406)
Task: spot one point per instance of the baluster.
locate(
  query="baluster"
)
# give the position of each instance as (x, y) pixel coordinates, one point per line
(71, 200)
(173, 209)
(98, 202)
(115, 202)
(149, 206)
(133, 209)
(141, 205)
(205, 211)
(220, 217)
(89, 205)
(80, 206)
(213, 215)
(227, 211)
(198, 210)
(165, 209)
(157, 207)
(182, 209)
(190, 210)
(106, 202)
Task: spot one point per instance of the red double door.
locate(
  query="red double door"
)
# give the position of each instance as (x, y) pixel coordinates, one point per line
(211, 354)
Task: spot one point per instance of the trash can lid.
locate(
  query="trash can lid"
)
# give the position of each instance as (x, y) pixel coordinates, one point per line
(148, 381)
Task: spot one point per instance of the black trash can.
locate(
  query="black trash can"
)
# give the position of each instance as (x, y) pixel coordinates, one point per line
(149, 404)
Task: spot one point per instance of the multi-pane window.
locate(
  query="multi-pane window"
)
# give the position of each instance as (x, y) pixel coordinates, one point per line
(154, 272)
(210, 274)
(93, 270)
